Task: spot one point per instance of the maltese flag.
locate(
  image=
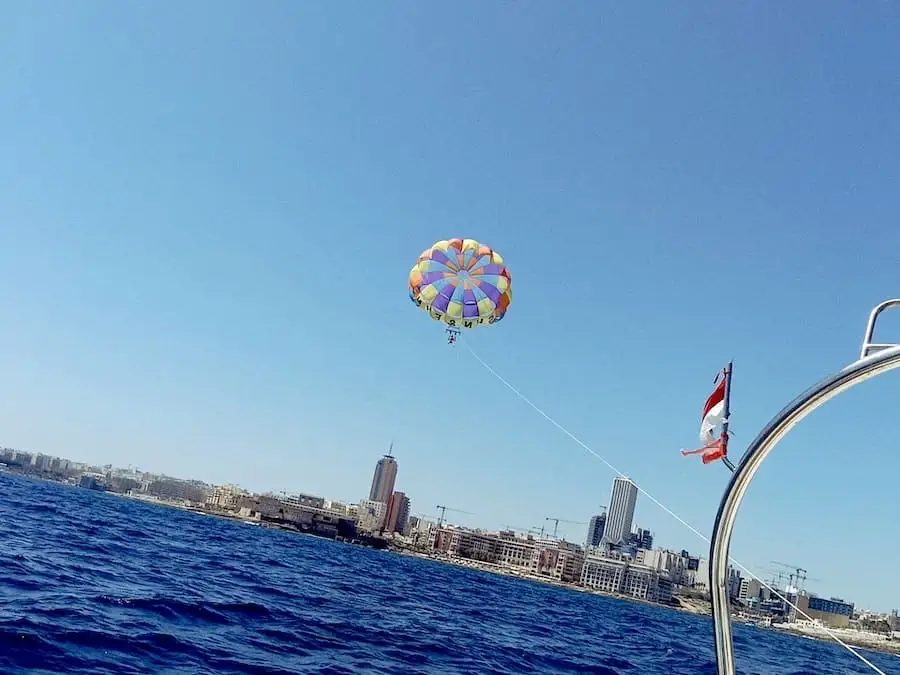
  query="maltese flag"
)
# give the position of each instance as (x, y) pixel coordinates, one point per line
(713, 415)
(713, 412)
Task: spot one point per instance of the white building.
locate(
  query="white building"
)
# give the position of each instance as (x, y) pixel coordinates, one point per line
(224, 496)
(420, 530)
(370, 515)
(336, 506)
(302, 500)
(558, 560)
(619, 575)
(620, 512)
(697, 577)
(674, 565)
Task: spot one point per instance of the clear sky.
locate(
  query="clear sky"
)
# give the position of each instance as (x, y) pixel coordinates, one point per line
(208, 212)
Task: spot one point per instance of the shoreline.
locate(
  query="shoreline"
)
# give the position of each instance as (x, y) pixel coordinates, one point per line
(852, 638)
(685, 605)
(695, 606)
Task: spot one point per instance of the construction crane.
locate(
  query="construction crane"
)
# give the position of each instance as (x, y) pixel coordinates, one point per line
(778, 580)
(797, 573)
(557, 521)
(444, 509)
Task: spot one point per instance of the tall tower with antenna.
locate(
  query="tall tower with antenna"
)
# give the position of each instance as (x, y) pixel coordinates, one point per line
(384, 478)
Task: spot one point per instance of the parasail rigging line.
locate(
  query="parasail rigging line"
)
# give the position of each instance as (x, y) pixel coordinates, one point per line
(662, 506)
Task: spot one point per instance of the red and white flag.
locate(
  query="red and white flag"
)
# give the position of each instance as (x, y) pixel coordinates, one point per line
(713, 411)
(714, 447)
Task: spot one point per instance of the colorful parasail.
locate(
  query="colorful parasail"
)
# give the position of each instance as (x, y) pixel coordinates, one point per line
(462, 283)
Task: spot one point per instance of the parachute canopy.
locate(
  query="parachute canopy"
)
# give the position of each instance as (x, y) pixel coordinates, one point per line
(462, 283)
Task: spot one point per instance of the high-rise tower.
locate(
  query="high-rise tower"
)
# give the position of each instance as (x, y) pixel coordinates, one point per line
(595, 531)
(620, 512)
(397, 513)
(384, 478)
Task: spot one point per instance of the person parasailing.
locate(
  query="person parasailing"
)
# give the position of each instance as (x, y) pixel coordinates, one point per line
(461, 283)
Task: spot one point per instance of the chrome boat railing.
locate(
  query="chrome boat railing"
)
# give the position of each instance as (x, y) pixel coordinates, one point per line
(874, 359)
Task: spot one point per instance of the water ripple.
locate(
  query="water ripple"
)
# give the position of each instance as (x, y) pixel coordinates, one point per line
(93, 583)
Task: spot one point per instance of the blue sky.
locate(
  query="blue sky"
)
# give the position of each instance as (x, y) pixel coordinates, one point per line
(209, 211)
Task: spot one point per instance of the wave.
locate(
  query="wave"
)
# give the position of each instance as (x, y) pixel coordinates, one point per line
(93, 583)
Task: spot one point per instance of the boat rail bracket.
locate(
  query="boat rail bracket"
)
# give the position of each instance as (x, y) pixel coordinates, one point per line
(874, 359)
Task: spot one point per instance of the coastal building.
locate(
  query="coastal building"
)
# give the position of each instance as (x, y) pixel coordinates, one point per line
(832, 612)
(173, 489)
(421, 531)
(750, 591)
(697, 577)
(301, 500)
(619, 575)
(91, 481)
(512, 550)
(224, 496)
(440, 539)
(687, 571)
(336, 506)
(397, 513)
(383, 480)
(17, 456)
(642, 539)
(298, 516)
(558, 560)
(270, 507)
(620, 512)
(595, 531)
(674, 565)
(41, 462)
(370, 515)
(59, 465)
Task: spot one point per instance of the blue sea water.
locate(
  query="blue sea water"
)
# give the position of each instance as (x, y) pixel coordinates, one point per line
(94, 583)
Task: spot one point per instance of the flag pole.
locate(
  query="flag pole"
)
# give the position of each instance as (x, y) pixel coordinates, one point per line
(727, 462)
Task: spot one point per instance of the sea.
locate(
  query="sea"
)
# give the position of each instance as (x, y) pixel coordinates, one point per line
(96, 583)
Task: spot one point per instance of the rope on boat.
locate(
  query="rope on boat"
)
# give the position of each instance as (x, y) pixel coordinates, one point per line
(662, 506)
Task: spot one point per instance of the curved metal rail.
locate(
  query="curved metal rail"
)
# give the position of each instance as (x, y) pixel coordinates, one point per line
(875, 359)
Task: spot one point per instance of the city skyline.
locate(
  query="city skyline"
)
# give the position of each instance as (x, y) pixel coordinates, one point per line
(171, 296)
(392, 515)
(394, 512)
(638, 571)
(632, 568)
